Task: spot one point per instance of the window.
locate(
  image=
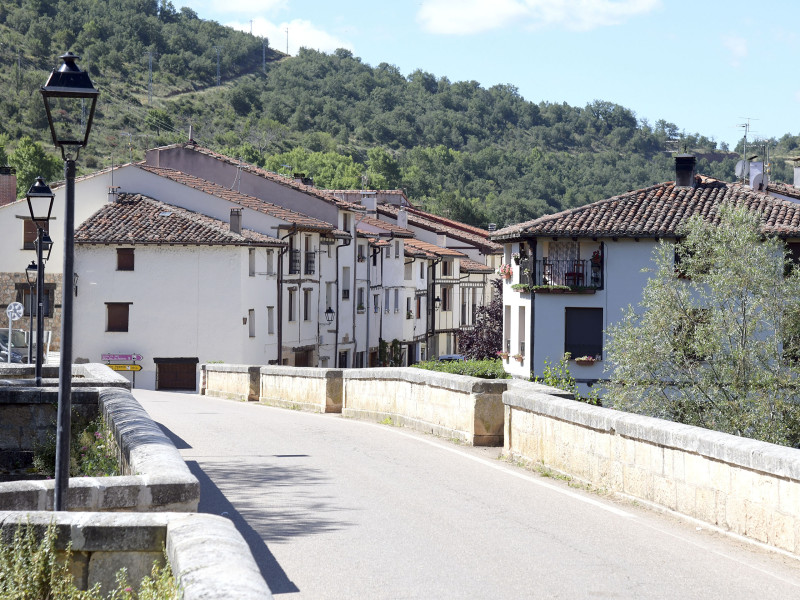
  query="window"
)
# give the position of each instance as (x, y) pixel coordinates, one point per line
(583, 332)
(29, 300)
(359, 360)
(329, 294)
(361, 254)
(310, 258)
(291, 306)
(397, 300)
(251, 322)
(124, 259)
(397, 248)
(407, 273)
(345, 283)
(270, 262)
(251, 262)
(306, 305)
(408, 307)
(271, 320)
(360, 298)
(464, 293)
(389, 251)
(117, 314)
(386, 300)
(343, 359)
(376, 302)
(419, 308)
(447, 267)
(422, 269)
(447, 297)
(29, 233)
(521, 331)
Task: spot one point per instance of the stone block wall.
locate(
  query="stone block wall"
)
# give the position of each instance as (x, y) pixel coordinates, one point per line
(208, 557)
(745, 486)
(307, 388)
(10, 292)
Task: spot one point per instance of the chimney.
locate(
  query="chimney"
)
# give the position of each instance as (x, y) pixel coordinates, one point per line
(113, 193)
(402, 218)
(684, 170)
(370, 202)
(8, 185)
(236, 220)
(758, 179)
(441, 240)
(797, 177)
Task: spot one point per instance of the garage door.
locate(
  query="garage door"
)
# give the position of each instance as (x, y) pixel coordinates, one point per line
(176, 374)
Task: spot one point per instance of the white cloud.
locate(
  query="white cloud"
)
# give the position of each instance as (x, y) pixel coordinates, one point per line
(473, 16)
(737, 47)
(302, 33)
(226, 7)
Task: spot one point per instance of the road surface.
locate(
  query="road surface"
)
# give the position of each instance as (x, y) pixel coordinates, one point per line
(338, 508)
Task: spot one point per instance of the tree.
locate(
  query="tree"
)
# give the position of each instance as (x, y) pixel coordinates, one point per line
(485, 339)
(714, 342)
(30, 161)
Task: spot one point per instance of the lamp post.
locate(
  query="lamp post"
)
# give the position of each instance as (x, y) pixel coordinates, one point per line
(66, 94)
(329, 314)
(31, 273)
(40, 206)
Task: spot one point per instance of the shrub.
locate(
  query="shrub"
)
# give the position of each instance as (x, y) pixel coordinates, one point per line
(485, 369)
(93, 453)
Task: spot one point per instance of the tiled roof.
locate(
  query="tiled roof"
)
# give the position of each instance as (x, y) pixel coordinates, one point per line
(302, 221)
(459, 231)
(432, 249)
(137, 219)
(784, 189)
(467, 265)
(386, 226)
(660, 211)
(274, 177)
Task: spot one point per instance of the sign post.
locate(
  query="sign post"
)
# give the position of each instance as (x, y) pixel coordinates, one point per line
(133, 357)
(14, 311)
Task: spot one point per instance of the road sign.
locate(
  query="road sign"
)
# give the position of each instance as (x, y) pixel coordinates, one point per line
(125, 367)
(133, 357)
(15, 311)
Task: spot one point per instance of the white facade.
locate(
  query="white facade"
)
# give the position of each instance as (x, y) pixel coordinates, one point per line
(185, 302)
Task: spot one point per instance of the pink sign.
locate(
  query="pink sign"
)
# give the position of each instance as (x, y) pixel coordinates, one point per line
(120, 357)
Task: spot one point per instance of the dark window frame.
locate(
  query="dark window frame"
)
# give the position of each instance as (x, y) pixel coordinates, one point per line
(125, 259)
(114, 316)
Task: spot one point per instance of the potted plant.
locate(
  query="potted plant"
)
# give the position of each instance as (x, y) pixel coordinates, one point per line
(515, 258)
(503, 355)
(519, 357)
(409, 314)
(586, 361)
(597, 258)
(360, 308)
(505, 271)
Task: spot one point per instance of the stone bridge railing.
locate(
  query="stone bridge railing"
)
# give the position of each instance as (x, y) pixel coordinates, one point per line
(748, 487)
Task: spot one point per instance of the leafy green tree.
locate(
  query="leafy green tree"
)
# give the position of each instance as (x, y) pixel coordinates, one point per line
(30, 161)
(714, 341)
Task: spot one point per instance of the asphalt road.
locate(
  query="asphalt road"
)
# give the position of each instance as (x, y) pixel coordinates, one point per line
(338, 508)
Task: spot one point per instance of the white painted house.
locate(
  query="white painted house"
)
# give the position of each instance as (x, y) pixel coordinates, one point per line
(574, 272)
(173, 286)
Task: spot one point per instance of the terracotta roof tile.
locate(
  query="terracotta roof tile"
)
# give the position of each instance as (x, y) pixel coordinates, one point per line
(467, 265)
(137, 219)
(459, 231)
(386, 226)
(660, 211)
(302, 221)
(433, 249)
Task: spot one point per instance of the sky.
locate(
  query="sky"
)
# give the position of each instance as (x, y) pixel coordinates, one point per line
(708, 66)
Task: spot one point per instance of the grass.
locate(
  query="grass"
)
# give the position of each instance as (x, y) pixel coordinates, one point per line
(31, 568)
(93, 453)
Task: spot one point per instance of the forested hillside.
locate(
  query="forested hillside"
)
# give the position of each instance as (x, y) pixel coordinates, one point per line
(459, 149)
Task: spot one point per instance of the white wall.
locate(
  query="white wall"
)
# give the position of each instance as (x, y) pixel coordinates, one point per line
(186, 302)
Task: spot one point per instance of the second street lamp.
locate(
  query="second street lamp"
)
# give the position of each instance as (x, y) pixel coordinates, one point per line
(31, 273)
(40, 205)
(69, 99)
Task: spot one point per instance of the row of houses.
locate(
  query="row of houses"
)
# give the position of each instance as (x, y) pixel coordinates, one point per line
(191, 256)
(569, 276)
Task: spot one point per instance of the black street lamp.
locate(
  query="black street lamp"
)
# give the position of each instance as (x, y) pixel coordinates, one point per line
(329, 314)
(31, 274)
(40, 205)
(70, 100)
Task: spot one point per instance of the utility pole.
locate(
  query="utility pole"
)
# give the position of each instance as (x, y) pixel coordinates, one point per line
(218, 77)
(264, 44)
(149, 77)
(287, 41)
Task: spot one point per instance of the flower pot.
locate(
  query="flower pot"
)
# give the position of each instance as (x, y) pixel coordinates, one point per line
(584, 362)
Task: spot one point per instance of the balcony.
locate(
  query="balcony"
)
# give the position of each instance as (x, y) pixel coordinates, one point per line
(311, 263)
(561, 274)
(294, 262)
